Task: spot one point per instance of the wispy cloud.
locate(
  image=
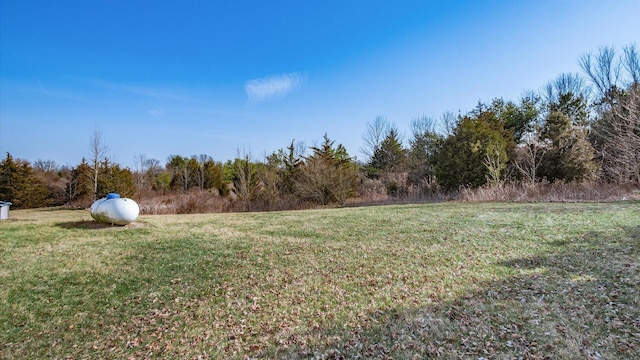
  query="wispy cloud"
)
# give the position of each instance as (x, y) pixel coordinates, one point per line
(262, 89)
(164, 93)
(154, 112)
(43, 89)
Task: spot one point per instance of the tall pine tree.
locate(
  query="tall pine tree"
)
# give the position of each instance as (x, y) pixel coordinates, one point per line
(20, 186)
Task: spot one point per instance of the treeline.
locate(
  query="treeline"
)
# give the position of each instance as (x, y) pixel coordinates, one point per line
(285, 179)
(580, 128)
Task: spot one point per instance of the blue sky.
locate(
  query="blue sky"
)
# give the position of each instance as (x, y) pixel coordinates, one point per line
(212, 77)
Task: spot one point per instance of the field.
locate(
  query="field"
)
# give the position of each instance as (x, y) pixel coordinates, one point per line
(532, 281)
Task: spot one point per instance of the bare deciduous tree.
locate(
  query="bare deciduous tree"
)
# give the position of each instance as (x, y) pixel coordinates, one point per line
(245, 181)
(564, 84)
(374, 134)
(202, 176)
(609, 72)
(140, 163)
(449, 121)
(422, 125)
(495, 161)
(98, 151)
(529, 157)
(616, 134)
(45, 165)
(632, 63)
(602, 69)
(153, 175)
(620, 132)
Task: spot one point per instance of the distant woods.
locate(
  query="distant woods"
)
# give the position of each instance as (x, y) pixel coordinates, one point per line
(579, 128)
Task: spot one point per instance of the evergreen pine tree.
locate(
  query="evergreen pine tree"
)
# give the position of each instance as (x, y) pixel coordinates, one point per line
(20, 186)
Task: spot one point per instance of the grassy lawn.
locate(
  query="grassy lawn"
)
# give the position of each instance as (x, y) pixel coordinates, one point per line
(412, 281)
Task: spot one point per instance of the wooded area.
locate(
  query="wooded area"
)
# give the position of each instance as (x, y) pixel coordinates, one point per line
(580, 128)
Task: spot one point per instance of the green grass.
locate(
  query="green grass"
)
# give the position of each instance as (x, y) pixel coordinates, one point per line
(412, 281)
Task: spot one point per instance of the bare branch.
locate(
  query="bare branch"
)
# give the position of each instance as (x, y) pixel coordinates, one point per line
(529, 156)
(603, 70)
(631, 63)
(98, 151)
(374, 134)
(422, 125)
(449, 121)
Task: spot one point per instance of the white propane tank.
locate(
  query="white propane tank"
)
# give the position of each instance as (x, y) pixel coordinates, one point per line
(113, 209)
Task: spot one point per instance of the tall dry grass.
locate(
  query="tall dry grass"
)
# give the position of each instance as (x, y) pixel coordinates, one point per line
(184, 203)
(550, 192)
(374, 193)
(201, 202)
